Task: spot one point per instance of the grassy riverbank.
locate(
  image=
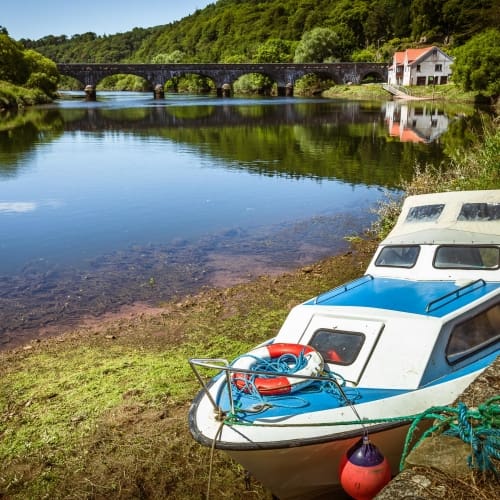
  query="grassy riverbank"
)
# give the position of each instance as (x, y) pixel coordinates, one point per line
(101, 412)
(448, 93)
(13, 96)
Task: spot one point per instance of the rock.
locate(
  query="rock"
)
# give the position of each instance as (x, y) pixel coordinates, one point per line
(446, 453)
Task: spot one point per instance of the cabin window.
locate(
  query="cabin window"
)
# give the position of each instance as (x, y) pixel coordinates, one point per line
(480, 211)
(473, 334)
(438, 67)
(337, 346)
(398, 256)
(467, 257)
(424, 213)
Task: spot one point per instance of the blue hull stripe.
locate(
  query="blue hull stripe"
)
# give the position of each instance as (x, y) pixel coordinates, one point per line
(315, 398)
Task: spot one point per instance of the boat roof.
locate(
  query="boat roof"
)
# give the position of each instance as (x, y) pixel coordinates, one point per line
(426, 298)
(454, 217)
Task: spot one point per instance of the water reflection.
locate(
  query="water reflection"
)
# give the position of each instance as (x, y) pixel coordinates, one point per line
(416, 123)
(104, 204)
(346, 141)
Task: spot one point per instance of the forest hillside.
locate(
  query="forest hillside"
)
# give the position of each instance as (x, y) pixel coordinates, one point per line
(270, 30)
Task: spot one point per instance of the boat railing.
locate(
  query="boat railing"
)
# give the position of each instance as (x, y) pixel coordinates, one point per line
(454, 295)
(323, 297)
(222, 365)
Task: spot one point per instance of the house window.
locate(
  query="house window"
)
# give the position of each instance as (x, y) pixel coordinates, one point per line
(420, 80)
(418, 68)
(444, 80)
(438, 67)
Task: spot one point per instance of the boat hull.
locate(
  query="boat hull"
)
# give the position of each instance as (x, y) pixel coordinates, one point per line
(303, 462)
(309, 472)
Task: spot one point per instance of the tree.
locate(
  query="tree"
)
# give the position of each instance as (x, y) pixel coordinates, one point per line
(364, 55)
(477, 63)
(177, 56)
(12, 66)
(319, 45)
(43, 72)
(426, 18)
(274, 50)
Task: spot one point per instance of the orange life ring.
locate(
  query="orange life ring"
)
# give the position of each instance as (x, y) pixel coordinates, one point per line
(280, 384)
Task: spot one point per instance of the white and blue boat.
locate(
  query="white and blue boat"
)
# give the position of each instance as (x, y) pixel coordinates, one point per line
(412, 333)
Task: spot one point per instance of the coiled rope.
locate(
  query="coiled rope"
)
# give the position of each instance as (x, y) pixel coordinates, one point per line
(285, 364)
(288, 364)
(478, 427)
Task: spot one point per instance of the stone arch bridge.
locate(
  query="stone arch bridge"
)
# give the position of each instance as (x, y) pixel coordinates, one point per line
(224, 75)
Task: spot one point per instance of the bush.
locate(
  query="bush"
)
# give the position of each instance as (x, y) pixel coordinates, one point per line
(477, 63)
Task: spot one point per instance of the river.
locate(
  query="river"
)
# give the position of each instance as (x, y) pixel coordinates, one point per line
(130, 199)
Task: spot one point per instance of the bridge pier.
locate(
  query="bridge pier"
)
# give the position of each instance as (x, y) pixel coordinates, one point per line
(224, 91)
(286, 91)
(90, 93)
(159, 92)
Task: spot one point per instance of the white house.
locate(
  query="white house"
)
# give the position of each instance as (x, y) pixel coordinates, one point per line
(427, 66)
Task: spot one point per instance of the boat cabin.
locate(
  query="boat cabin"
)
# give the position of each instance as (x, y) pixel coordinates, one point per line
(428, 306)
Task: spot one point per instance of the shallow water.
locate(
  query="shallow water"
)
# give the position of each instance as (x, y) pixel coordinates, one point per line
(131, 199)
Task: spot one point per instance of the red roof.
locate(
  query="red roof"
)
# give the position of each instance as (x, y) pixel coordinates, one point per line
(414, 54)
(399, 57)
(410, 55)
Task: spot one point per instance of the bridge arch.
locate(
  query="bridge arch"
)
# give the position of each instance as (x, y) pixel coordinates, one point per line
(285, 75)
(376, 76)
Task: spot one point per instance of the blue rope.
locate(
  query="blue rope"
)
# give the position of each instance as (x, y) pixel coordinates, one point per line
(288, 364)
(478, 427)
(484, 440)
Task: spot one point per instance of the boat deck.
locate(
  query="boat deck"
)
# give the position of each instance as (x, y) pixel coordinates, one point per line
(428, 298)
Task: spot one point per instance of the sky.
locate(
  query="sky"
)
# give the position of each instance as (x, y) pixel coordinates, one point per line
(35, 19)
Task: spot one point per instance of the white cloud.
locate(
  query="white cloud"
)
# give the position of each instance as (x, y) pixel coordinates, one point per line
(17, 207)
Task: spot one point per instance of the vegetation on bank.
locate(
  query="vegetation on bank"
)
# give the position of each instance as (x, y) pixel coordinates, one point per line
(283, 32)
(26, 76)
(102, 411)
(15, 96)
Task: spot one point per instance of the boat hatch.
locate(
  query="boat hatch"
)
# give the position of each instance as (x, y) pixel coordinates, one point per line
(346, 344)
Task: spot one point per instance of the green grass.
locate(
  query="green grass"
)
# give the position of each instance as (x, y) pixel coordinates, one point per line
(13, 96)
(104, 414)
(365, 91)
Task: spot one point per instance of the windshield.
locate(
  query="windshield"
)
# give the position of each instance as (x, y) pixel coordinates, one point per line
(398, 256)
(467, 257)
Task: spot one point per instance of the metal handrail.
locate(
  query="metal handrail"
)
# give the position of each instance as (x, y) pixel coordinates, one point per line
(223, 365)
(343, 288)
(456, 293)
